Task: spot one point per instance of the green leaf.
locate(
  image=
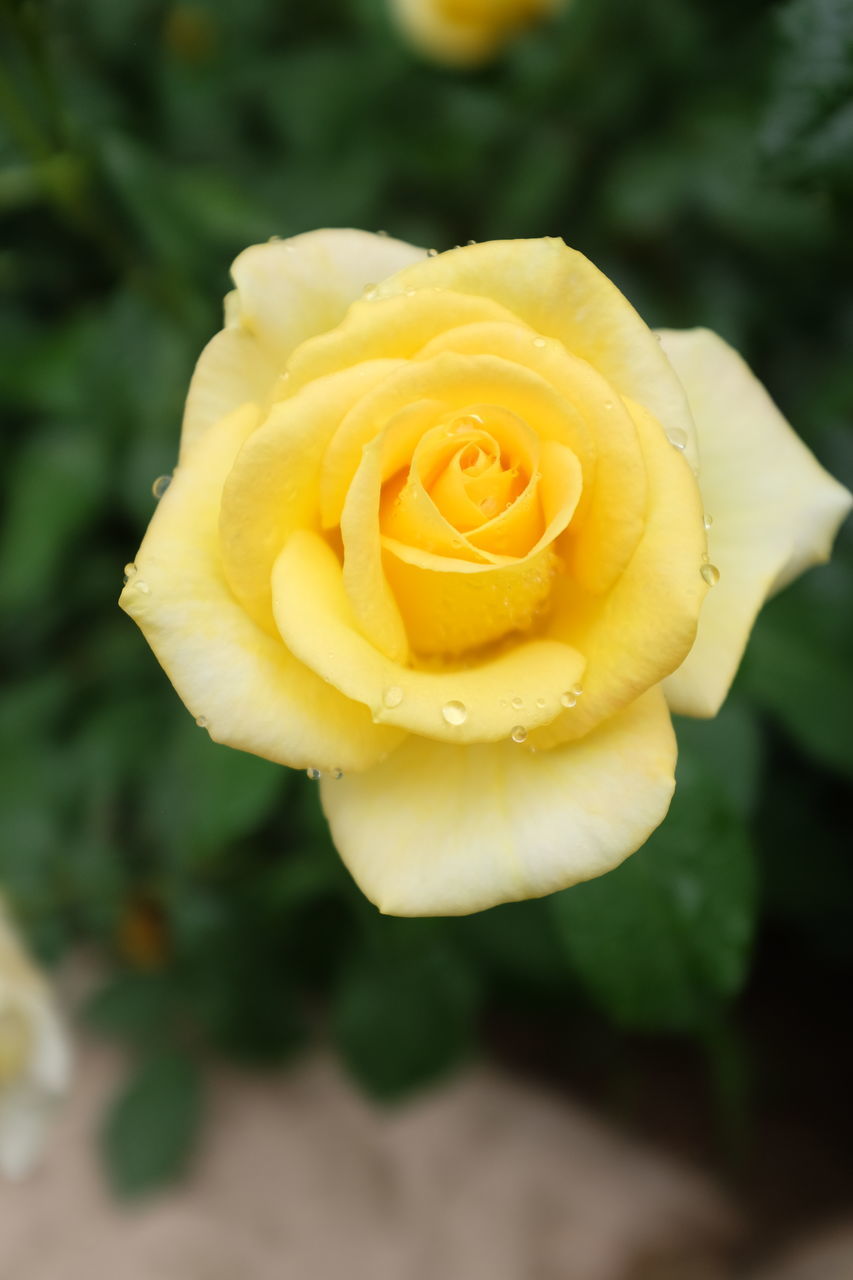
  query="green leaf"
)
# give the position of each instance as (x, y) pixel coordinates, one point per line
(132, 1006)
(664, 939)
(206, 795)
(55, 488)
(403, 1013)
(150, 1129)
(797, 669)
(730, 747)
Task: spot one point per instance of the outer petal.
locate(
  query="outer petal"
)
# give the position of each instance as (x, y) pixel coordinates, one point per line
(290, 290)
(287, 291)
(444, 830)
(252, 692)
(775, 510)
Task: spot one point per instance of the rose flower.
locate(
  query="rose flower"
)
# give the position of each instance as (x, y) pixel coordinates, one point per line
(456, 533)
(467, 32)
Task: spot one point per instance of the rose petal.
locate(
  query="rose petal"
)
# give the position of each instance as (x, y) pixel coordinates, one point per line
(644, 627)
(443, 830)
(289, 290)
(475, 704)
(273, 485)
(390, 328)
(560, 294)
(612, 509)
(251, 692)
(775, 510)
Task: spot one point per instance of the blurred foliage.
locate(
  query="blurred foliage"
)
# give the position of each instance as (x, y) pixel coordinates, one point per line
(702, 154)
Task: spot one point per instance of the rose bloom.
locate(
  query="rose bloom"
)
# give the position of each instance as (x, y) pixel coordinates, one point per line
(457, 532)
(466, 32)
(35, 1063)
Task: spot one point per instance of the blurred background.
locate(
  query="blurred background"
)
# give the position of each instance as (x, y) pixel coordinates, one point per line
(697, 999)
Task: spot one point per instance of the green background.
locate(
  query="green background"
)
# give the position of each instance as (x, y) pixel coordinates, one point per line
(702, 155)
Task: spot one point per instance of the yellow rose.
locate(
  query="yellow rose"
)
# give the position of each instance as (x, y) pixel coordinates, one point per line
(437, 524)
(466, 32)
(35, 1063)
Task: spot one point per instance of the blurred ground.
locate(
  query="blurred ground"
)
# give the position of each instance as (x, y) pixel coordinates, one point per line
(300, 1176)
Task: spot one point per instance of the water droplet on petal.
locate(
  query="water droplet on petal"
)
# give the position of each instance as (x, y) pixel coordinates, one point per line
(382, 233)
(519, 733)
(369, 292)
(432, 253)
(541, 703)
(160, 486)
(707, 520)
(470, 242)
(711, 574)
(129, 571)
(392, 696)
(569, 698)
(143, 587)
(539, 342)
(517, 704)
(677, 437)
(608, 404)
(337, 774)
(410, 293)
(455, 712)
(201, 721)
(314, 774)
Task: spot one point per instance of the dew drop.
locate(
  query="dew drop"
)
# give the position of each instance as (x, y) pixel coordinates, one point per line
(410, 293)
(517, 704)
(432, 253)
(314, 774)
(677, 438)
(384, 234)
(160, 486)
(143, 587)
(519, 733)
(129, 571)
(707, 520)
(569, 698)
(711, 574)
(393, 696)
(201, 721)
(455, 712)
(337, 774)
(608, 404)
(369, 292)
(539, 342)
(541, 703)
(470, 242)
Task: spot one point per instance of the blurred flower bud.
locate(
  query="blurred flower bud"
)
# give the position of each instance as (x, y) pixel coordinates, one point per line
(467, 32)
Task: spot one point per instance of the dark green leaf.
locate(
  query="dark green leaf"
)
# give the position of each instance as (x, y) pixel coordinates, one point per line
(151, 1126)
(661, 941)
(402, 1016)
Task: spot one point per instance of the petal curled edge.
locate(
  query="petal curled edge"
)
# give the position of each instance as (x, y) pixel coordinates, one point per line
(444, 830)
(775, 510)
(560, 294)
(643, 629)
(251, 692)
(287, 291)
(476, 703)
(290, 290)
